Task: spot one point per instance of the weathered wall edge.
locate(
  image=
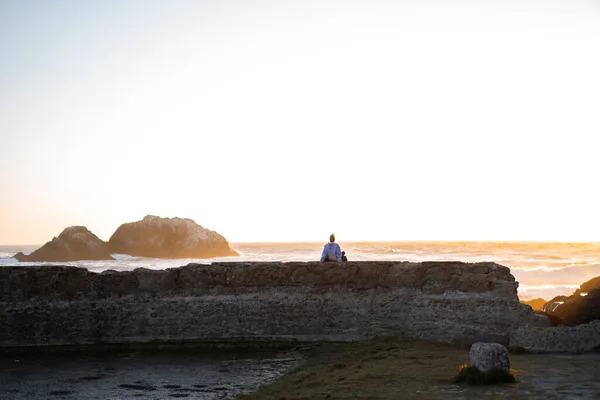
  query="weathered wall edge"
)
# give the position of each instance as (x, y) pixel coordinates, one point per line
(444, 301)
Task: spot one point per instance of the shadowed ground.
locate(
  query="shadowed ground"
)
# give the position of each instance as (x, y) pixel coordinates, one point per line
(138, 374)
(399, 369)
(378, 369)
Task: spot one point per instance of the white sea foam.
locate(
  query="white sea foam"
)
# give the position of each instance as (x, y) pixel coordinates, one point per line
(6, 260)
(124, 257)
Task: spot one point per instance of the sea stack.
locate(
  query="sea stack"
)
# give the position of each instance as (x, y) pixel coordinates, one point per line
(75, 243)
(168, 238)
(536, 304)
(582, 307)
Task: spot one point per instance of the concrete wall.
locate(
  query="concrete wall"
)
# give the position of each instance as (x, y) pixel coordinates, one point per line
(445, 301)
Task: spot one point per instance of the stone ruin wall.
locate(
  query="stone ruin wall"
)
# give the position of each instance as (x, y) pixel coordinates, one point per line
(451, 302)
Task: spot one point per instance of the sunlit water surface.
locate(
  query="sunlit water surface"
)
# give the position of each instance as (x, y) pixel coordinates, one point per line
(542, 269)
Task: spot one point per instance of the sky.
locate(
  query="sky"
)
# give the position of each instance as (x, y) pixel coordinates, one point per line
(289, 120)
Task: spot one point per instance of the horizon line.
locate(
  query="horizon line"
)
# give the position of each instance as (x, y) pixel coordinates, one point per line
(383, 241)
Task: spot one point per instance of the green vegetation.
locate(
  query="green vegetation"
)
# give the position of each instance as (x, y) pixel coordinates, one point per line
(386, 368)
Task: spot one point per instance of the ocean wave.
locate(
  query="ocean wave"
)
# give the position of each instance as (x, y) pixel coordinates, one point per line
(125, 257)
(547, 292)
(547, 268)
(546, 287)
(574, 274)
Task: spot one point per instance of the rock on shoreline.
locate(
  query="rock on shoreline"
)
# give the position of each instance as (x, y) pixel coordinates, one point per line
(151, 237)
(168, 238)
(536, 304)
(576, 319)
(75, 243)
(557, 339)
(582, 307)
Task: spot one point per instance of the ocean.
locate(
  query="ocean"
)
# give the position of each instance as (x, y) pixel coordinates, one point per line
(542, 269)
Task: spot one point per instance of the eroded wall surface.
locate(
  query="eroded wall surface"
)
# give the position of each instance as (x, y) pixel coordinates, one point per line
(253, 301)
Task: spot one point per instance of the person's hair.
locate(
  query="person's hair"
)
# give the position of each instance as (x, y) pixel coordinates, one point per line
(332, 238)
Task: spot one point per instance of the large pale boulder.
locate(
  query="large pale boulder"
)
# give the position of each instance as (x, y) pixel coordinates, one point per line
(75, 243)
(487, 357)
(168, 238)
(489, 364)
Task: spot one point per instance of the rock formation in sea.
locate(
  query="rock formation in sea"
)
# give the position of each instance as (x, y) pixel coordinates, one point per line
(536, 304)
(576, 319)
(168, 238)
(75, 243)
(581, 307)
(588, 286)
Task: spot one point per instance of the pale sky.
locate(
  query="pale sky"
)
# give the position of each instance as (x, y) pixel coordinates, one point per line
(289, 120)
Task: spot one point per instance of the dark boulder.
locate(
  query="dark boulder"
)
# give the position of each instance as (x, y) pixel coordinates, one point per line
(75, 243)
(168, 238)
(580, 308)
(589, 285)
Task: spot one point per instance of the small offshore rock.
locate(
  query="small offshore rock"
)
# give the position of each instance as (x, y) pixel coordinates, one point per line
(75, 243)
(536, 304)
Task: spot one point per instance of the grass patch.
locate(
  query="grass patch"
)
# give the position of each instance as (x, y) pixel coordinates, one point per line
(386, 368)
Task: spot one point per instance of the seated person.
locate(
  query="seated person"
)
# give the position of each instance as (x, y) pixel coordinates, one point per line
(331, 251)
